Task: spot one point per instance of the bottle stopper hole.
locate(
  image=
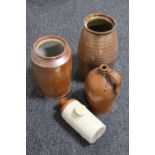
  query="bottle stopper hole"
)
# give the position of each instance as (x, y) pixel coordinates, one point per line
(104, 67)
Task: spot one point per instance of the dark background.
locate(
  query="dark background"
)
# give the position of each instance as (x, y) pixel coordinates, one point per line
(47, 133)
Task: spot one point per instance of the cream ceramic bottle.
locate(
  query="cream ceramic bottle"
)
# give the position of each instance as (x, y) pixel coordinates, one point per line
(81, 119)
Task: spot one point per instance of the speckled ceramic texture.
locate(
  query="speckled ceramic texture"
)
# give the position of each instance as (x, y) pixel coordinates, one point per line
(47, 133)
(97, 43)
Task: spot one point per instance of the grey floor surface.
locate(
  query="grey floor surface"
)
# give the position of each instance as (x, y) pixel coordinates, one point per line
(47, 133)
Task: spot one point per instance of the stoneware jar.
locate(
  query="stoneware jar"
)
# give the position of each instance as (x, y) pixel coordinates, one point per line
(52, 66)
(102, 85)
(97, 43)
(81, 119)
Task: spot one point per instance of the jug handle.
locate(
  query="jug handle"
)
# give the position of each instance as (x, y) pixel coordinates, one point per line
(117, 80)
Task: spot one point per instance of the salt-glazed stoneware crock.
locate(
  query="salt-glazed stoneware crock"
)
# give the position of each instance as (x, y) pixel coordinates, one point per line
(102, 85)
(97, 43)
(52, 66)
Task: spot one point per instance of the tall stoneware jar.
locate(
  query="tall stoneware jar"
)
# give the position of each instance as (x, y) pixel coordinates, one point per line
(97, 43)
(102, 85)
(52, 66)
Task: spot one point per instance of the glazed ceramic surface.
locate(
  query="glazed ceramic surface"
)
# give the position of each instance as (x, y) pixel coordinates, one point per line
(81, 119)
(52, 66)
(97, 43)
(102, 85)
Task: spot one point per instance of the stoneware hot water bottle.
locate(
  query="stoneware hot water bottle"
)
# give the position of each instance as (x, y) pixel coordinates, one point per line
(81, 119)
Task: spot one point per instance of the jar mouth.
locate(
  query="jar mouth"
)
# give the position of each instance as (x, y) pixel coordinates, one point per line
(104, 68)
(49, 47)
(99, 23)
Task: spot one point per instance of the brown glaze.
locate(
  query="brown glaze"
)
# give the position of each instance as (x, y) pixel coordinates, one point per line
(52, 66)
(97, 43)
(102, 85)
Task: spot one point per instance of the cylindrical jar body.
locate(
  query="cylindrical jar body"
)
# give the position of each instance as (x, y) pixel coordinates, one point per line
(52, 66)
(83, 121)
(97, 43)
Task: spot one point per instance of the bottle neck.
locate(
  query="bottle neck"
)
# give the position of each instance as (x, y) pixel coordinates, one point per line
(63, 101)
(103, 69)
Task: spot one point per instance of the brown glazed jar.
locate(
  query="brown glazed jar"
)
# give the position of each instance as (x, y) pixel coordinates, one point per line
(102, 85)
(52, 66)
(97, 43)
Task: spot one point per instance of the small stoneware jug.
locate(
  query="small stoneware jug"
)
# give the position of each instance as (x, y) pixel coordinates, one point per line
(52, 66)
(81, 119)
(102, 85)
(97, 43)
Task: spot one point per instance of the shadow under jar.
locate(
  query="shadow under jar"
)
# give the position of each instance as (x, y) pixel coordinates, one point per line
(52, 66)
(97, 43)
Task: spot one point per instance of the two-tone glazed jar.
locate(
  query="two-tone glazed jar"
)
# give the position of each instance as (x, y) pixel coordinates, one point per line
(52, 66)
(97, 43)
(81, 119)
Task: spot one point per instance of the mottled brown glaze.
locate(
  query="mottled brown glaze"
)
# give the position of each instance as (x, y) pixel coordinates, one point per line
(52, 72)
(102, 85)
(97, 43)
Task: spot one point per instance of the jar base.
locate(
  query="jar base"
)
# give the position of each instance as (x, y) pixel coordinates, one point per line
(53, 98)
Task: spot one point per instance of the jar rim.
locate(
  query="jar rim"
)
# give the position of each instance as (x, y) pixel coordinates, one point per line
(101, 16)
(46, 38)
(103, 68)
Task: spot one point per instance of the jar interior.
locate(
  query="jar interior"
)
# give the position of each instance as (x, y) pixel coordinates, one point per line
(99, 25)
(50, 48)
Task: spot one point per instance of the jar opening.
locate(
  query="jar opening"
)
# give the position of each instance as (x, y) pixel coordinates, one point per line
(50, 48)
(99, 25)
(103, 68)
